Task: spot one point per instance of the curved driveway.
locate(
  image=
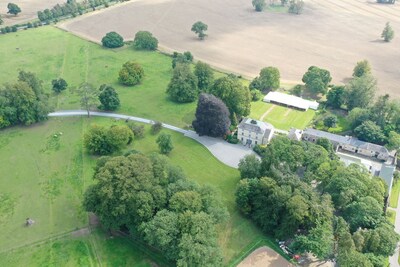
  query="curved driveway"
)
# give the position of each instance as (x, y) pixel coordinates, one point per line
(228, 154)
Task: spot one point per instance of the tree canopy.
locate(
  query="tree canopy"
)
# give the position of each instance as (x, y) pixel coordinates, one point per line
(112, 40)
(23, 102)
(317, 79)
(145, 40)
(362, 68)
(164, 142)
(361, 91)
(131, 73)
(269, 79)
(258, 5)
(183, 85)
(59, 85)
(13, 9)
(212, 116)
(387, 33)
(204, 74)
(199, 28)
(232, 92)
(108, 98)
(156, 202)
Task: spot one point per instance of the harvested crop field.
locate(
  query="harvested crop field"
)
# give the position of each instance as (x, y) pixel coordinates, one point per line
(264, 257)
(29, 9)
(332, 34)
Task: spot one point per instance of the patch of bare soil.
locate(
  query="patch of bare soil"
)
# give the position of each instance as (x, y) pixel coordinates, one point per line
(264, 257)
(81, 232)
(332, 34)
(93, 220)
(29, 9)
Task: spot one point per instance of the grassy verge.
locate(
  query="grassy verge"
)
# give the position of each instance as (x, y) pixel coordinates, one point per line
(394, 196)
(94, 249)
(391, 215)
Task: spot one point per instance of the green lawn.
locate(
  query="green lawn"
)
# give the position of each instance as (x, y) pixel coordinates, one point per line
(281, 117)
(391, 215)
(394, 195)
(53, 53)
(46, 180)
(96, 249)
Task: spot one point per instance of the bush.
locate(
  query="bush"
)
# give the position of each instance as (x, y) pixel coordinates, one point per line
(156, 127)
(29, 25)
(232, 139)
(131, 73)
(259, 5)
(178, 58)
(112, 40)
(138, 130)
(256, 95)
(14, 28)
(297, 90)
(260, 150)
(144, 40)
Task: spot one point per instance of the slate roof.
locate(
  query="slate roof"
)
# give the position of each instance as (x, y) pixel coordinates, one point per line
(346, 140)
(258, 127)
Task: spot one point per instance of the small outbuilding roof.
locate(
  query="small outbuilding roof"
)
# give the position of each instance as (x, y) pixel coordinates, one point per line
(290, 100)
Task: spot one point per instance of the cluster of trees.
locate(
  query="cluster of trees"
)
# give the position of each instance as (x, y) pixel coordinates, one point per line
(23, 102)
(342, 217)
(185, 86)
(156, 202)
(100, 140)
(295, 6)
(372, 121)
(70, 8)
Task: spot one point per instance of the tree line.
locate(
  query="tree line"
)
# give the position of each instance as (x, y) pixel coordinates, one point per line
(156, 203)
(300, 191)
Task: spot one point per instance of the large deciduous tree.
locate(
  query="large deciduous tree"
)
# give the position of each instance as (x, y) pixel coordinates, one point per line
(131, 73)
(250, 167)
(204, 74)
(183, 85)
(108, 98)
(235, 96)
(361, 91)
(13, 9)
(89, 96)
(144, 40)
(370, 132)
(212, 116)
(317, 79)
(199, 28)
(112, 40)
(336, 97)
(269, 79)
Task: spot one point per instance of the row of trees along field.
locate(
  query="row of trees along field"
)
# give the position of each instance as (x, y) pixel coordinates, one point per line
(157, 204)
(300, 191)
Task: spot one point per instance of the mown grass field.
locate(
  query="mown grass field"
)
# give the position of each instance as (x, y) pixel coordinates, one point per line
(96, 249)
(53, 53)
(47, 181)
(281, 117)
(394, 196)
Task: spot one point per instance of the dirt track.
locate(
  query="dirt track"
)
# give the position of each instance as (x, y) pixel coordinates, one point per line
(332, 34)
(264, 257)
(29, 9)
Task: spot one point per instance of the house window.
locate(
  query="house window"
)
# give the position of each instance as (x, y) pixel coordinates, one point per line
(256, 142)
(242, 138)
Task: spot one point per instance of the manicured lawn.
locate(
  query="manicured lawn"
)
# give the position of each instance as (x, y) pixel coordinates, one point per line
(394, 196)
(96, 249)
(391, 215)
(53, 53)
(281, 117)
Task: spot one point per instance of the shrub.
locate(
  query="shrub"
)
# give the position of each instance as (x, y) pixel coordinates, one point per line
(138, 130)
(112, 40)
(144, 40)
(156, 127)
(256, 95)
(260, 150)
(131, 73)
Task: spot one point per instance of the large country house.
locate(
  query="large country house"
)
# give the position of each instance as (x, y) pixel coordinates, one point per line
(252, 132)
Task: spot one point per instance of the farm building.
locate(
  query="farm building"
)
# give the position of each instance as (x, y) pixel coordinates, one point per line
(252, 132)
(290, 101)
